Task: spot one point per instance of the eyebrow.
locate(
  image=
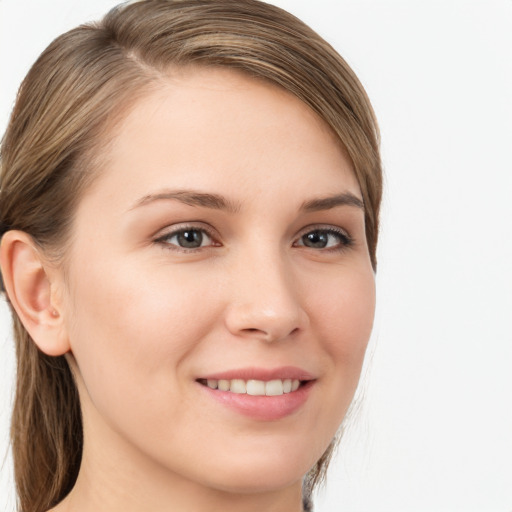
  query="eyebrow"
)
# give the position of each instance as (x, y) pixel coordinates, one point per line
(327, 203)
(219, 202)
(192, 198)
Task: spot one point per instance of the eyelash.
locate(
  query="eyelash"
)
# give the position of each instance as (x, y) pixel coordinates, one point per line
(164, 239)
(345, 241)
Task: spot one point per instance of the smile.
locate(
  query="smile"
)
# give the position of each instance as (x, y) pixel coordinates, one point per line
(263, 394)
(253, 387)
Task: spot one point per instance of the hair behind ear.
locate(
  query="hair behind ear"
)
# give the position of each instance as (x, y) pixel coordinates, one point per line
(46, 428)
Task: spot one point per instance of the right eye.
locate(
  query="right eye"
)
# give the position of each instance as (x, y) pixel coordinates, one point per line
(188, 238)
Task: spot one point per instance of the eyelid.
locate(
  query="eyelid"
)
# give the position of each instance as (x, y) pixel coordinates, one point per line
(329, 228)
(346, 240)
(323, 227)
(166, 233)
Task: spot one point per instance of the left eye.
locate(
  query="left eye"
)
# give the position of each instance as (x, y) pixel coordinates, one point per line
(188, 238)
(324, 239)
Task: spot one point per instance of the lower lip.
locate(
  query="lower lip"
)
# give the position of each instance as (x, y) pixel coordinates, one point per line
(264, 408)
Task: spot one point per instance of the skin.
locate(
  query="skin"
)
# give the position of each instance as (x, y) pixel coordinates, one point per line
(144, 318)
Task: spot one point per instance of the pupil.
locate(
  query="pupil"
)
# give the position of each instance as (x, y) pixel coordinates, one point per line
(190, 239)
(317, 239)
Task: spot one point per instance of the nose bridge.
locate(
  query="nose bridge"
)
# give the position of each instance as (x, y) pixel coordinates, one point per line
(265, 302)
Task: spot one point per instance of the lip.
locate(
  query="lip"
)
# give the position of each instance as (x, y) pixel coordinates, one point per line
(253, 373)
(261, 408)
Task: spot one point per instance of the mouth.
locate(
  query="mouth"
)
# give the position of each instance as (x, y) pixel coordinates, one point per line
(261, 394)
(258, 393)
(253, 387)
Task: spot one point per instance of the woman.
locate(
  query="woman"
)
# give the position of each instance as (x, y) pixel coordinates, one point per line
(189, 205)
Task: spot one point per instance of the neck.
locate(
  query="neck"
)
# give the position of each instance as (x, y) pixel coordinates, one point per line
(135, 495)
(115, 478)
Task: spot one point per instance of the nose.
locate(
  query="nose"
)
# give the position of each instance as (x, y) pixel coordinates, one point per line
(265, 302)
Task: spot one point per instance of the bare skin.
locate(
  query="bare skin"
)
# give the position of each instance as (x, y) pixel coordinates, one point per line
(206, 246)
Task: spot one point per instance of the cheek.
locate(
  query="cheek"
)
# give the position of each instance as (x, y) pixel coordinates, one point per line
(134, 328)
(344, 321)
(345, 315)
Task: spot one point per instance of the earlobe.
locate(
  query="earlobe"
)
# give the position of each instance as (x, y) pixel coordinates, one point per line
(29, 288)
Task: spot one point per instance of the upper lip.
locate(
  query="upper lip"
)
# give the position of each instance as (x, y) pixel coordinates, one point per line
(265, 374)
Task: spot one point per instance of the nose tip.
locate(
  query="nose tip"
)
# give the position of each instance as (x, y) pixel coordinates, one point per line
(266, 309)
(267, 325)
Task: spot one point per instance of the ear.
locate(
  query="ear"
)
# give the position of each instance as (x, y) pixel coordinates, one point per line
(28, 283)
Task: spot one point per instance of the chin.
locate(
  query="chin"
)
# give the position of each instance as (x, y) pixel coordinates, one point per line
(262, 471)
(256, 482)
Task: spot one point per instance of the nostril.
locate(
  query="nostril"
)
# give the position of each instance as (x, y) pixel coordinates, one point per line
(270, 334)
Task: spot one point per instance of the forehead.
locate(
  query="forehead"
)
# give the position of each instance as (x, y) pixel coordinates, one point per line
(209, 128)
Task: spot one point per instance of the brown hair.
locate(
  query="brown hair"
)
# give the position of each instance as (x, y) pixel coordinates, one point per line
(76, 89)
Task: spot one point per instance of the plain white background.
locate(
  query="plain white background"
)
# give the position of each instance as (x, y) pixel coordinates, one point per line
(434, 432)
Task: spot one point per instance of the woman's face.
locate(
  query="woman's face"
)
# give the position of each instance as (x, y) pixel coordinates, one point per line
(223, 244)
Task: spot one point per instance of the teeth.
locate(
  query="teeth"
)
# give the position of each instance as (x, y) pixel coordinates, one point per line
(224, 385)
(255, 387)
(238, 386)
(274, 388)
